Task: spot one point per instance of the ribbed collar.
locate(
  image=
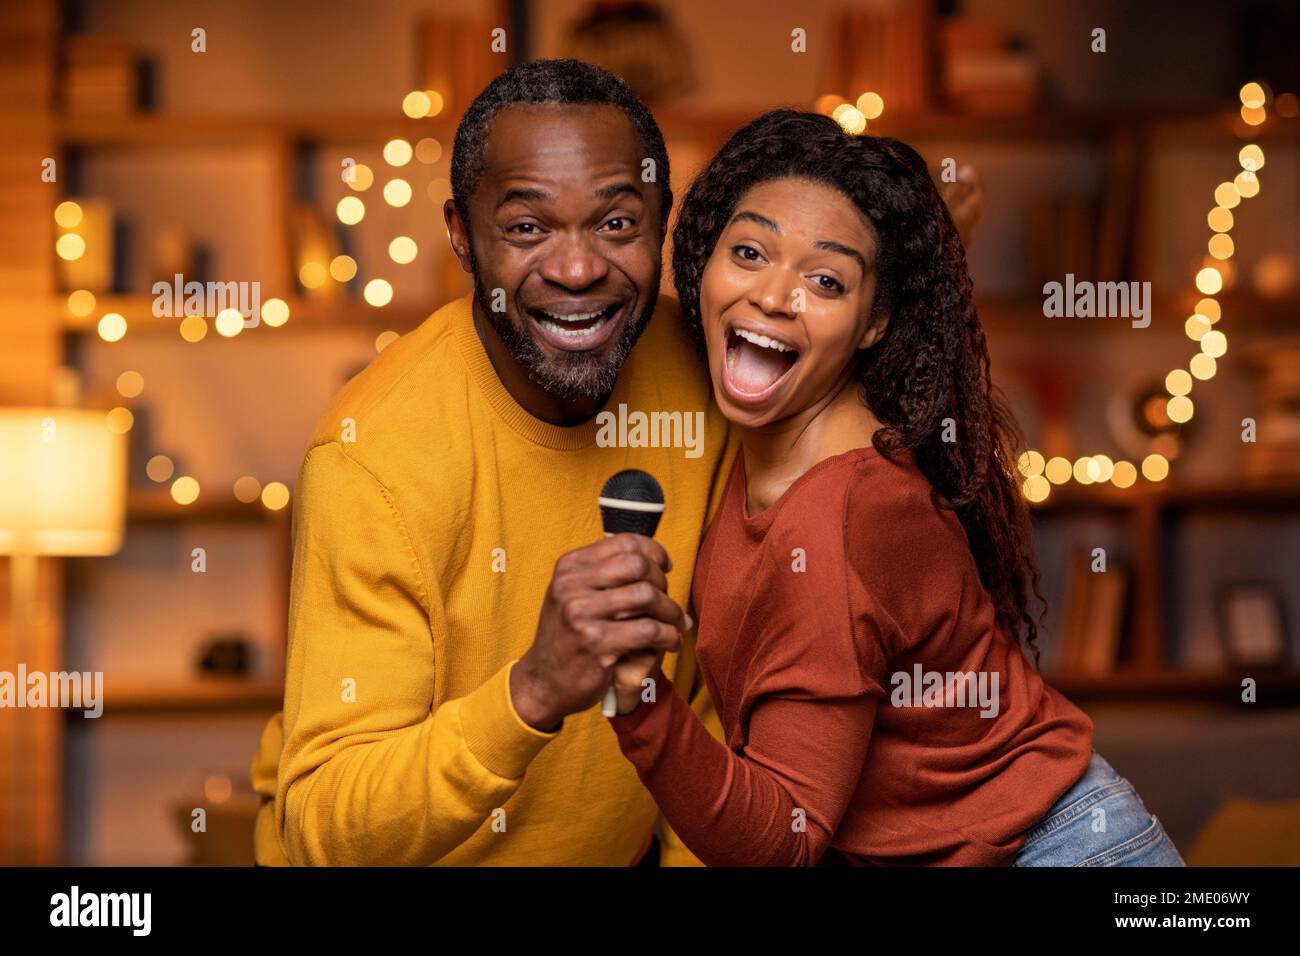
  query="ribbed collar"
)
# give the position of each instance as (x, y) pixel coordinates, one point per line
(520, 420)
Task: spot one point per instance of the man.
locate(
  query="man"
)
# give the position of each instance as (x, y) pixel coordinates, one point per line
(443, 665)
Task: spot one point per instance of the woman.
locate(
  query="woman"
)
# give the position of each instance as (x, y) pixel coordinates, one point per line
(862, 588)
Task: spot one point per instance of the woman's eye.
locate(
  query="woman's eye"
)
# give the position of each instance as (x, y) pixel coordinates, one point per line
(829, 284)
(748, 253)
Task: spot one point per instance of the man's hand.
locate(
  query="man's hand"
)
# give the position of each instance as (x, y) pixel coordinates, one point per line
(606, 601)
(965, 200)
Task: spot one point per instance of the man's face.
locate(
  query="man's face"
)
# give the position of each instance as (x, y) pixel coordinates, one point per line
(564, 241)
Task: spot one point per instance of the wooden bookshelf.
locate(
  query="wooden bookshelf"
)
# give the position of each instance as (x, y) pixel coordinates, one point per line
(1274, 687)
(208, 695)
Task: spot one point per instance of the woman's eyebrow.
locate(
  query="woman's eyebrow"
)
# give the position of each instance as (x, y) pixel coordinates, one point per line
(842, 250)
(755, 217)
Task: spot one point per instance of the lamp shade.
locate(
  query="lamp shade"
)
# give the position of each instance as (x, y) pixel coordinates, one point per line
(62, 482)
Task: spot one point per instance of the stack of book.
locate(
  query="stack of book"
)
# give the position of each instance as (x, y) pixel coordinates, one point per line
(889, 53)
(102, 76)
(1275, 452)
(983, 74)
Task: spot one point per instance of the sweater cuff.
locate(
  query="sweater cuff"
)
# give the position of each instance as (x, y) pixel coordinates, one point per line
(647, 720)
(495, 733)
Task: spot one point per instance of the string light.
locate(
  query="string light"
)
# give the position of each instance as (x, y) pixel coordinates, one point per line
(1210, 280)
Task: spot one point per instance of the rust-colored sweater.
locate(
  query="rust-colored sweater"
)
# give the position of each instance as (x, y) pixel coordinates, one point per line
(831, 630)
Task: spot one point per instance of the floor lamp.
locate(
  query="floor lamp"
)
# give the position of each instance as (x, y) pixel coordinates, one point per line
(62, 493)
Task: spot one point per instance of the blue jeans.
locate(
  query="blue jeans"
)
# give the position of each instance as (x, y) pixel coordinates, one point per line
(1100, 821)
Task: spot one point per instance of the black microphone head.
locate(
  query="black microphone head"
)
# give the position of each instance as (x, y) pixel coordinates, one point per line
(631, 501)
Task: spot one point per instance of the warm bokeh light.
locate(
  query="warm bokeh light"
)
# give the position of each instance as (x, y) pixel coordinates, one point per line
(1253, 116)
(81, 303)
(397, 192)
(159, 468)
(416, 104)
(1031, 463)
(1221, 246)
(428, 150)
(185, 490)
(1058, 470)
(1252, 95)
(1036, 488)
(1179, 409)
(362, 178)
(870, 105)
(112, 327)
(1085, 471)
(343, 268)
(1202, 366)
(1155, 468)
(1220, 219)
(826, 103)
(1214, 344)
(385, 339)
(130, 384)
(1102, 468)
(247, 489)
(1210, 309)
(435, 102)
(351, 210)
(403, 250)
(1226, 195)
(1246, 183)
(378, 292)
(68, 214)
(70, 246)
(1287, 105)
(313, 274)
(439, 190)
(1209, 280)
(193, 328)
(229, 323)
(1125, 475)
(397, 152)
(275, 312)
(119, 420)
(1178, 382)
(275, 495)
(852, 120)
(1251, 157)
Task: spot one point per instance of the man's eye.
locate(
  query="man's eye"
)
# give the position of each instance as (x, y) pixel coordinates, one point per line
(525, 228)
(618, 224)
(829, 284)
(748, 253)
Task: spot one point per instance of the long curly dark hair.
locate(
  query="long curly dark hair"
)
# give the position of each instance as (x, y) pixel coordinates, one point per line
(930, 364)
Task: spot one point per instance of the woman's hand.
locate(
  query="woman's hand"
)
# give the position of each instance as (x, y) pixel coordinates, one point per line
(629, 672)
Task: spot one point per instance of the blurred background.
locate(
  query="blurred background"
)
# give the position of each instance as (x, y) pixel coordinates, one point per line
(305, 146)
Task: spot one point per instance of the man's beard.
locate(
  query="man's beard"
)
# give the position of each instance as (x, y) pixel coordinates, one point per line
(571, 374)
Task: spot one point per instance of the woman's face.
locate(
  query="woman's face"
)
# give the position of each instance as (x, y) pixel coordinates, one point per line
(786, 300)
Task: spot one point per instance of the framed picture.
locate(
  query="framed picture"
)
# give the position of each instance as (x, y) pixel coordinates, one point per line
(1252, 623)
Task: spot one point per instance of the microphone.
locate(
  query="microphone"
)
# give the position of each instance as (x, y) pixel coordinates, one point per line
(631, 501)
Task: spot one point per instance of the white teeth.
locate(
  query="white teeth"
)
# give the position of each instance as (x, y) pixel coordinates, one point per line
(762, 340)
(560, 330)
(574, 317)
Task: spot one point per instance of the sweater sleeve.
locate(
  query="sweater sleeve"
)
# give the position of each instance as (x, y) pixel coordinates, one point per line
(777, 802)
(369, 774)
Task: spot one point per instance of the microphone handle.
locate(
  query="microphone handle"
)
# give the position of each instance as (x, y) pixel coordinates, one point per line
(609, 706)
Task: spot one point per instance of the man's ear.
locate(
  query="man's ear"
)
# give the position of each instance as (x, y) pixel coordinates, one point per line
(458, 233)
(879, 322)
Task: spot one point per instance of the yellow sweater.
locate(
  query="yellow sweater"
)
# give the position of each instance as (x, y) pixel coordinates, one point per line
(428, 516)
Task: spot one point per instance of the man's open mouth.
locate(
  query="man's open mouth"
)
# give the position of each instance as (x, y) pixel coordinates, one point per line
(756, 363)
(573, 329)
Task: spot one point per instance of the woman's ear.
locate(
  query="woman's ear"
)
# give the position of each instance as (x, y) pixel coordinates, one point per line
(879, 322)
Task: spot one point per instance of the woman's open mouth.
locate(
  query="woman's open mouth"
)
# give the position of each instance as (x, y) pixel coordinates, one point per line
(576, 330)
(755, 365)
